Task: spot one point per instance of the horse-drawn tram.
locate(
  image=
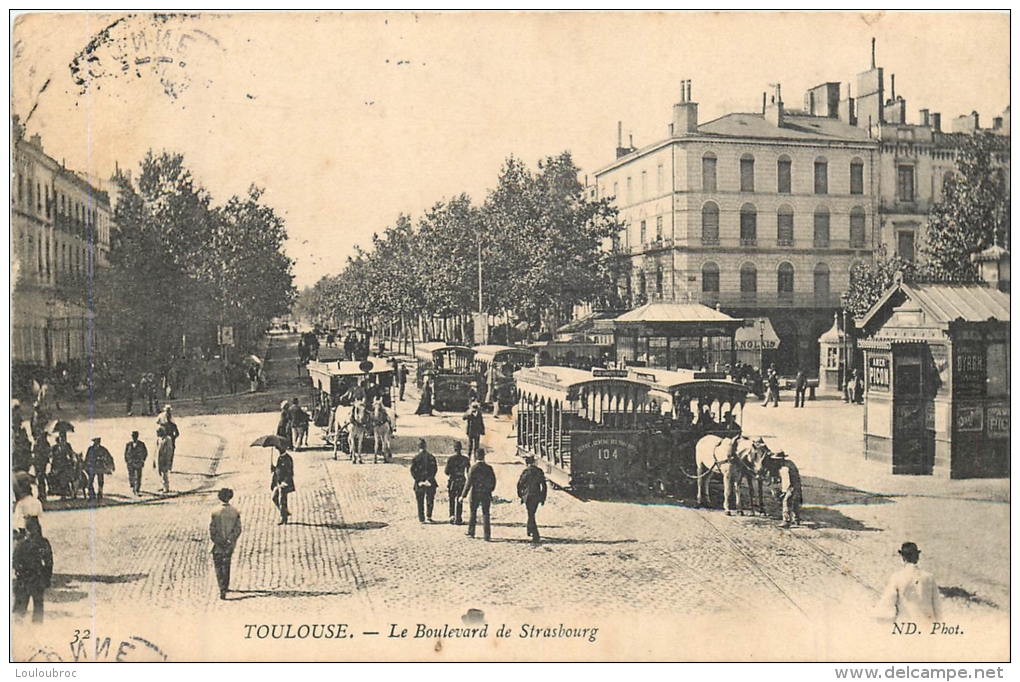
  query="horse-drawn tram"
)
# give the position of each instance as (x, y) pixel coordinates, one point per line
(631, 431)
(343, 383)
(496, 365)
(451, 371)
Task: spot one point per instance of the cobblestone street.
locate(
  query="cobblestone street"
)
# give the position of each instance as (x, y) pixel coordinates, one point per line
(356, 553)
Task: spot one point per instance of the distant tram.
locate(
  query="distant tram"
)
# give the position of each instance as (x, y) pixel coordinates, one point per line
(451, 370)
(497, 366)
(340, 382)
(622, 431)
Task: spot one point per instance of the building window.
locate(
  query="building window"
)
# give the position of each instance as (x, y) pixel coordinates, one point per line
(821, 176)
(821, 228)
(658, 179)
(616, 189)
(29, 202)
(21, 188)
(710, 278)
(905, 244)
(710, 224)
(747, 173)
(748, 225)
(784, 226)
(644, 238)
(658, 282)
(708, 172)
(658, 228)
(783, 174)
(644, 185)
(857, 228)
(47, 201)
(785, 280)
(748, 281)
(38, 198)
(821, 281)
(905, 183)
(856, 177)
(630, 190)
(642, 284)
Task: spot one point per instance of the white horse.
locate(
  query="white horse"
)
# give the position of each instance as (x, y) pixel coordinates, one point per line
(736, 459)
(384, 424)
(359, 428)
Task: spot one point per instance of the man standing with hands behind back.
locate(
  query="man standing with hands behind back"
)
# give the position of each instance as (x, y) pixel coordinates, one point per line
(481, 481)
(224, 529)
(135, 454)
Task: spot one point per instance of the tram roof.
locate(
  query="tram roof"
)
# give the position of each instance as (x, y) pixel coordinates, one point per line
(671, 380)
(561, 380)
(433, 346)
(342, 368)
(491, 350)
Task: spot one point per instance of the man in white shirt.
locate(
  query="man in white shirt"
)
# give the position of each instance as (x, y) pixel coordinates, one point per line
(912, 595)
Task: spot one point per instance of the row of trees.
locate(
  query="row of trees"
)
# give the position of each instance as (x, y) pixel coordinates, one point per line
(972, 216)
(539, 239)
(180, 267)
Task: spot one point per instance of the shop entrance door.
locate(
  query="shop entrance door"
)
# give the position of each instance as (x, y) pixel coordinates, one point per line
(913, 410)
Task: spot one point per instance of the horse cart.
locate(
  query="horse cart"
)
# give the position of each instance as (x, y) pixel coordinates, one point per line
(451, 370)
(344, 389)
(497, 366)
(623, 432)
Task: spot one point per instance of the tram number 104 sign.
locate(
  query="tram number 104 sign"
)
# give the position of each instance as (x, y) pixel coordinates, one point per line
(604, 452)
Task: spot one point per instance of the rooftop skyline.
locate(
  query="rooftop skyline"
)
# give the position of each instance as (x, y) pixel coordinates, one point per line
(349, 120)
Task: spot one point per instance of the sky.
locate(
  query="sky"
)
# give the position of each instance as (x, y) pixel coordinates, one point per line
(348, 120)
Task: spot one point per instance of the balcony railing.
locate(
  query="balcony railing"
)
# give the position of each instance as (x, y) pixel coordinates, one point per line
(767, 243)
(749, 241)
(770, 299)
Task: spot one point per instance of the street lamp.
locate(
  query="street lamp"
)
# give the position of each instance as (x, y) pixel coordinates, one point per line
(761, 344)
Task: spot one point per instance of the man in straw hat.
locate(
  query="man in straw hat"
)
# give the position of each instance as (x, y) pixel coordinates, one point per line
(912, 595)
(475, 427)
(790, 487)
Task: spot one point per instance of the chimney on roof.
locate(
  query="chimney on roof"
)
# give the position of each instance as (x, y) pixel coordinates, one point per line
(872, 53)
(936, 122)
(892, 87)
(36, 140)
(997, 123)
(774, 111)
(685, 112)
(924, 119)
(620, 149)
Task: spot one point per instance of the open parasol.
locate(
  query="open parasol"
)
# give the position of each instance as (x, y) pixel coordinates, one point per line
(60, 426)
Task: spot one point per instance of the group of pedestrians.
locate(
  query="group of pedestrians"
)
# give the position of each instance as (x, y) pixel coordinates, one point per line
(474, 483)
(293, 423)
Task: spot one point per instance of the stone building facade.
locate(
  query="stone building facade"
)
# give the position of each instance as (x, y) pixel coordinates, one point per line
(60, 235)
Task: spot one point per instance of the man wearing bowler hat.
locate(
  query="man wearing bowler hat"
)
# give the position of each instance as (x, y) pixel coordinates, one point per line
(135, 454)
(224, 529)
(481, 481)
(532, 489)
(912, 595)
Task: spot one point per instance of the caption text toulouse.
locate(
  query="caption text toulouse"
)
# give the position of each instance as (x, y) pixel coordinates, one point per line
(418, 631)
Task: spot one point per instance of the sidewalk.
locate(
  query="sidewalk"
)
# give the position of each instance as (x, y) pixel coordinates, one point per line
(826, 440)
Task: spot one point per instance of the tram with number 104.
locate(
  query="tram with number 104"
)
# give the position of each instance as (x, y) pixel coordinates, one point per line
(628, 431)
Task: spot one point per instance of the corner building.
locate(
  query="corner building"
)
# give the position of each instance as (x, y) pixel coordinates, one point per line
(759, 214)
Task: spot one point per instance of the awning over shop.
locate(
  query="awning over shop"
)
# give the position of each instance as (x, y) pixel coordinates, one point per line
(751, 337)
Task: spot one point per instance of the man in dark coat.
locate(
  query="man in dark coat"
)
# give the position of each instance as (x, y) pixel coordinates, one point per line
(800, 390)
(32, 562)
(456, 471)
(532, 489)
(481, 481)
(98, 463)
(423, 470)
(283, 483)
(475, 427)
(135, 454)
(21, 446)
(224, 529)
(402, 379)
